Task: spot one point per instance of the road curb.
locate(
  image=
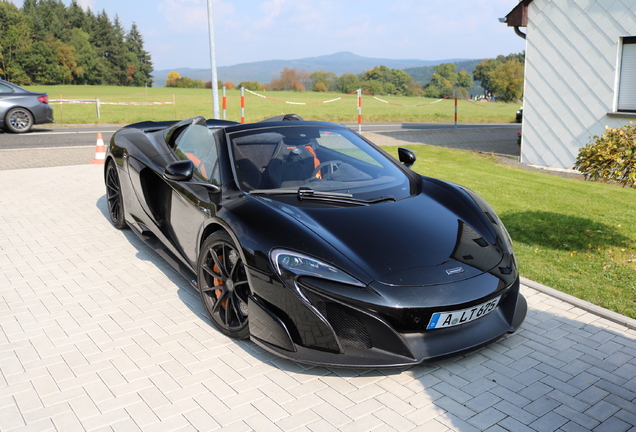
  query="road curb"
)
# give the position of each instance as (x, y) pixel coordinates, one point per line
(582, 304)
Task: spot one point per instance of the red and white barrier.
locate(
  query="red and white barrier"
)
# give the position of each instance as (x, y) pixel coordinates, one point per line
(91, 101)
(297, 103)
(242, 104)
(410, 106)
(359, 110)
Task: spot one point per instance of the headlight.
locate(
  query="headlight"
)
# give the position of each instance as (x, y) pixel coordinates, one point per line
(303, 265)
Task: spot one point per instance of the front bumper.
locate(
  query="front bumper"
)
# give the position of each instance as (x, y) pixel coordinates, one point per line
(333, 332)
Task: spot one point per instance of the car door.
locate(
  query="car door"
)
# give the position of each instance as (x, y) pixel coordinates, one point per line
(190, 204)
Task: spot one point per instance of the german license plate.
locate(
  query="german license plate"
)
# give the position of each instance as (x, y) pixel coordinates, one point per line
(453, 318)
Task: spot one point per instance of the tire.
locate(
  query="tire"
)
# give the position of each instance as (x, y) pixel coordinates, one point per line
(114, 196)
(18, 120)
(223, 285)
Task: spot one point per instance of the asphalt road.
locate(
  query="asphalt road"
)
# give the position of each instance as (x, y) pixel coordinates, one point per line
(44, 136)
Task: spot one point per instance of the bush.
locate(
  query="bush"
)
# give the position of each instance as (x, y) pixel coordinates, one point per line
(320, 87)
(251, 85)
(610, 157)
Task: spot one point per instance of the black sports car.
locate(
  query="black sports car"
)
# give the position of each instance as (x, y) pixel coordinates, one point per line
(315, 243)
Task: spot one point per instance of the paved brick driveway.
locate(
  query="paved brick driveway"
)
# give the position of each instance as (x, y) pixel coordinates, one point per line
(98, 333)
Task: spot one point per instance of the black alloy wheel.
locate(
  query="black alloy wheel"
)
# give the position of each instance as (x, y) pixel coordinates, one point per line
(223, 285)
(19, 120)
(114, 196)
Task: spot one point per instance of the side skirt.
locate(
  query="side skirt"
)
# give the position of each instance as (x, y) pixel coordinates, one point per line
(150, 240)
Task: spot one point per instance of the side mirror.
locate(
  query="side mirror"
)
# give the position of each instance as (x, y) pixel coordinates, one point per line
(407, 156)
(180, 170)
(183, 171)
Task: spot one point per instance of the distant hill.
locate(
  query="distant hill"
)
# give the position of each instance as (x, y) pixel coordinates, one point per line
(264, 71)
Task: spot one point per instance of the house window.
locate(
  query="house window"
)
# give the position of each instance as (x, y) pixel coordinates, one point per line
(627, 77)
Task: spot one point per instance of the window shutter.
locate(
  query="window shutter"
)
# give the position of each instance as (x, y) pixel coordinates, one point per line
(627, 80)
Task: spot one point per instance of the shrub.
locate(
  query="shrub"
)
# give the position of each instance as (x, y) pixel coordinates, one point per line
(610, 157)
(251, 85)
(320, 87)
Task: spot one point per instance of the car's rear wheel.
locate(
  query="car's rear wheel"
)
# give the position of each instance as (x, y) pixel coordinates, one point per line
(114, 197)
(223, 285)
(18, 120)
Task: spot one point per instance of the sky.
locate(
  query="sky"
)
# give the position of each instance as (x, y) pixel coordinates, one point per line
(175, 32)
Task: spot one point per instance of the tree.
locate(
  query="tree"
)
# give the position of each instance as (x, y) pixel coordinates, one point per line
(174, 79)
(66, 59)
(482, 73)
(251, 85)
(382, 80)
(48, 17)
(464, 80)
(171, 79)
(118, 58)
(507, 80)
(319, 87)
(297, 86)
(347, 83)
(404, 83)
(323, 81)
(41, 64)
(446, 81)
(288, 78)
(46, 42)
(86, 58)
(15, 43)
(138, 58)
(75, 16)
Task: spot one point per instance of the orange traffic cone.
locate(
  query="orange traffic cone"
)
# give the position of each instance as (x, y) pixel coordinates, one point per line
(100, 150)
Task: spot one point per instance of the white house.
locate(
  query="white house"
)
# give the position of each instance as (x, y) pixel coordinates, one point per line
(580, 74)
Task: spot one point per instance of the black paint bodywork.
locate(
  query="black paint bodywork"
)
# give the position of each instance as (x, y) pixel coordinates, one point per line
(401, 251)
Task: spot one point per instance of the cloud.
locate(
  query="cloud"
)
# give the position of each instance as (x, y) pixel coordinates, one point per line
(185, 16)
(87, 4)
(273, 9)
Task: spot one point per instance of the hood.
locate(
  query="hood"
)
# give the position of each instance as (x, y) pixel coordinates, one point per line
(417, 241)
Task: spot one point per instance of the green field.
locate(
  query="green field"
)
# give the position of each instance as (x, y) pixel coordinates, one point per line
(574, 236)
(193, 102)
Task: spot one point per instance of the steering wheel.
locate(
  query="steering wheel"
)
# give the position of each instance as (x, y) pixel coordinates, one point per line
(331, 167)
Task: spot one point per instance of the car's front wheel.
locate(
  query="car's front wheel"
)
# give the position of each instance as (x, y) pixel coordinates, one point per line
(223, 285)
(114, 197)
(19, 120)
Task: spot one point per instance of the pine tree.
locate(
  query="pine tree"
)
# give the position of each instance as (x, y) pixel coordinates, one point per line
(139, 73)
(15, 43)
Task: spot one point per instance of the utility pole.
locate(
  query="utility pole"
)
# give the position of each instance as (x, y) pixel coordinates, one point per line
(215, 89)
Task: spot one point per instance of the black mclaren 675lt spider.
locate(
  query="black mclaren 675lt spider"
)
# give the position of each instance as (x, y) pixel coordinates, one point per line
(313, 242)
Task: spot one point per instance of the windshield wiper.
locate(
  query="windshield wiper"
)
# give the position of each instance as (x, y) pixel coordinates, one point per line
(305, 193)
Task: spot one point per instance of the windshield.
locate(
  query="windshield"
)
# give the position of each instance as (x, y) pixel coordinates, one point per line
(323, 159)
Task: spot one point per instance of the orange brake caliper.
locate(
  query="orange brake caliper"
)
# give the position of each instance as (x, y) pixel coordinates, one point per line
(218, 282)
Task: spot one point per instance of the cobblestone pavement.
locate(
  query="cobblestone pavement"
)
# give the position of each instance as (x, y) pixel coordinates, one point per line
(99, 333)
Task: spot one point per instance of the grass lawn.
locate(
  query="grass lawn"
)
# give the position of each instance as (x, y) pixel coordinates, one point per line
(193, 102)
(575, 236)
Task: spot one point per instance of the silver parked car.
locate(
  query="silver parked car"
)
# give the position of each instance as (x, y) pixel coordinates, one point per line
(20, 109)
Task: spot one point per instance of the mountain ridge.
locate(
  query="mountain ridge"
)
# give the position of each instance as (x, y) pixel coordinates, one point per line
(263, 71)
